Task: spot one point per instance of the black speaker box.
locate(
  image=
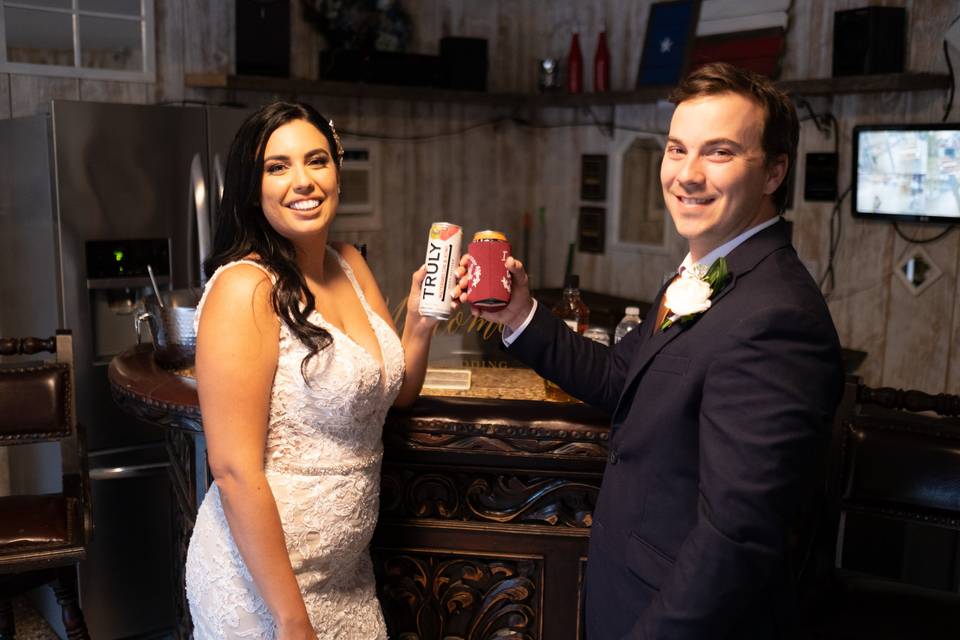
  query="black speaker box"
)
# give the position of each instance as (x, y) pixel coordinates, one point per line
(820, 177)
(263, 37)
(463, 63)
(869, 40)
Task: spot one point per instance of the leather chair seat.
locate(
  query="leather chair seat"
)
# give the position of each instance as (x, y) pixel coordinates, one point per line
(867, 608)
(37, 521)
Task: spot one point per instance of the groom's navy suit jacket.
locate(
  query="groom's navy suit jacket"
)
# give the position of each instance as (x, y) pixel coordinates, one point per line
(718, 432)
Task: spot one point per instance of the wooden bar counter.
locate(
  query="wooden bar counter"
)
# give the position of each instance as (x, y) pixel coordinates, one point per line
(486, 500)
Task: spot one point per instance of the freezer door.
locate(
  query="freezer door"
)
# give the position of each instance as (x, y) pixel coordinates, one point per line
(122, 172)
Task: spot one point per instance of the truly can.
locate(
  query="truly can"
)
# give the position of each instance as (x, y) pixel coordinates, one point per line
(489, 281)
(443, 258)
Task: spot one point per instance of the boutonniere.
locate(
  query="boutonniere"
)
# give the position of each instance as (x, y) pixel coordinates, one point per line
(689, 295)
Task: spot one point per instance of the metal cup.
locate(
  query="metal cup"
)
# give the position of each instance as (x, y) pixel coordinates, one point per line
(171, 327)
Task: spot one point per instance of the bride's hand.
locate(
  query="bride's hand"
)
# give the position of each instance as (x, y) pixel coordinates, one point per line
(415, 321)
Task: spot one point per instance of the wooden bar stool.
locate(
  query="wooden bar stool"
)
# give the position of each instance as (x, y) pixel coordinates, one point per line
(43, 536)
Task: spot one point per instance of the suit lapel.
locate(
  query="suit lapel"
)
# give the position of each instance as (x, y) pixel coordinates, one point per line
(740, 261)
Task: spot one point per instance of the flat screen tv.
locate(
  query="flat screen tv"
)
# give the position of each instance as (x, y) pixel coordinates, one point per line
(907, 172)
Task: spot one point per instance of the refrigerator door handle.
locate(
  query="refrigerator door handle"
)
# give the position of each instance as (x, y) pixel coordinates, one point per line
(198, 200)
(218, 176)
(128, 471)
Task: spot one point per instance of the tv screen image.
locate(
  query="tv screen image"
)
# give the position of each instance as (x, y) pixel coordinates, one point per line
(907, 172)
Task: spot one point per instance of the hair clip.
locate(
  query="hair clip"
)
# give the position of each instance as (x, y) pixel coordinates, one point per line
(339, 144)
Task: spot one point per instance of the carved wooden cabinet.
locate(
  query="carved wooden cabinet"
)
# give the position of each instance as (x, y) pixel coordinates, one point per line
(485, 515)
(485, 507)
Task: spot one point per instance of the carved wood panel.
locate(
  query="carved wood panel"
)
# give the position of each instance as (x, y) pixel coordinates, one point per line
(410, 492)
(456, 597)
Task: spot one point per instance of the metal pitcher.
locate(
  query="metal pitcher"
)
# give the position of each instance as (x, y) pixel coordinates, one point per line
(171, 326)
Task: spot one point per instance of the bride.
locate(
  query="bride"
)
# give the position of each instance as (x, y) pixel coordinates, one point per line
(298, 362)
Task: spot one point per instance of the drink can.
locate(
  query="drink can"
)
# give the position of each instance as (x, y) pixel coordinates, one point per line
(443, 257)
(489, 281)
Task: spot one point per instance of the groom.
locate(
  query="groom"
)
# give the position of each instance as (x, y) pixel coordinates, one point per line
(721, 411)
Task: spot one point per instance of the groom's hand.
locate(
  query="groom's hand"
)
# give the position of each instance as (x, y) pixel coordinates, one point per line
(520, 303)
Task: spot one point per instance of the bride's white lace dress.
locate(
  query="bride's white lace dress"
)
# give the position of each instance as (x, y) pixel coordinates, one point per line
(322, 461)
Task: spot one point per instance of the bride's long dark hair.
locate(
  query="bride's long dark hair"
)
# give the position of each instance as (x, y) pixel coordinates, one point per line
(243, 230)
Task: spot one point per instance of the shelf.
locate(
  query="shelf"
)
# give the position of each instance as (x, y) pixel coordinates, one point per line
(296, 86)
(894, 82)
(867, 84)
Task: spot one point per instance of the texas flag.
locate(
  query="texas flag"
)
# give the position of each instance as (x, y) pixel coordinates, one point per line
(668, 28)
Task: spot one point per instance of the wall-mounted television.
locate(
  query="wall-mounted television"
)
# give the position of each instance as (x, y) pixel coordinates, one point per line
(907, 172)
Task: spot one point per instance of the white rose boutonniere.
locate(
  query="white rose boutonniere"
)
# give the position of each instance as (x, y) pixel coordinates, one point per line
(690, 294)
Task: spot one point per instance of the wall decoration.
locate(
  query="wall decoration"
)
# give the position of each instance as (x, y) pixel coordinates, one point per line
(593, 177)
(666, 48)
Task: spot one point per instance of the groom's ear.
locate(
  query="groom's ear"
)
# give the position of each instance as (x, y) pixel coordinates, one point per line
(776, 172)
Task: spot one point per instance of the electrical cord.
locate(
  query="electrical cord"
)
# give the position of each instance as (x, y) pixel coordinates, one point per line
(836, 231)
(896, 227)
(946, 55)
(949, 106)
(827, 124)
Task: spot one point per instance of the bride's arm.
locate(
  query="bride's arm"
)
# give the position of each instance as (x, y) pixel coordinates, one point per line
(417, 332)
(417, 329)
(237, 346)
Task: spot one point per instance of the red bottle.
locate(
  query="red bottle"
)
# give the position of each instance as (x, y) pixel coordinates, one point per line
(601, 65)
(575, 66)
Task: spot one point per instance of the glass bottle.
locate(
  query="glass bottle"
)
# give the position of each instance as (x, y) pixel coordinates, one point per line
(571, 308)
(601, 65)
(575, 66)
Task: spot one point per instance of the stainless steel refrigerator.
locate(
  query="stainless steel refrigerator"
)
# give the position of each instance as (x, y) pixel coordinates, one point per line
(89, 195)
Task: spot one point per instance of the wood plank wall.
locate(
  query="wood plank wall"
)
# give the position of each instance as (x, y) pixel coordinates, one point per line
(491, 174)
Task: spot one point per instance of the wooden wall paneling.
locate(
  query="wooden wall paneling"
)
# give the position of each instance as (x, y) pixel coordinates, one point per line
(428, 120)
(169, 35)
(809, 40)
(595, 269)
(427, 17)
(626, 24)
(109, 91)
(513, 52)
(4, 95)
(811, 219)
(952, 383)
(860, 302)
(208, 36)
(558, 151)
(809, 47)
(510, 184)
(29, 94)
(927, 21)
(403, 239)
(407, 239)
(918, 327)
(305, 45)
(359, 116)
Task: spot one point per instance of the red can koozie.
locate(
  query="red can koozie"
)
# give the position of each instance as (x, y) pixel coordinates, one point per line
(489, 284)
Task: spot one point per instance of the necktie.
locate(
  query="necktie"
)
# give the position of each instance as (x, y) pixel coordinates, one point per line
(662, 310)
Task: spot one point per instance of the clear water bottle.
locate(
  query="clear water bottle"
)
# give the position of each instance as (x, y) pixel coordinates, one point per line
(628, 324)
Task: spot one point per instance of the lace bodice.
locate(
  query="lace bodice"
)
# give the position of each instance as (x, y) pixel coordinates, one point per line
(322, 460)
(340, 413)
